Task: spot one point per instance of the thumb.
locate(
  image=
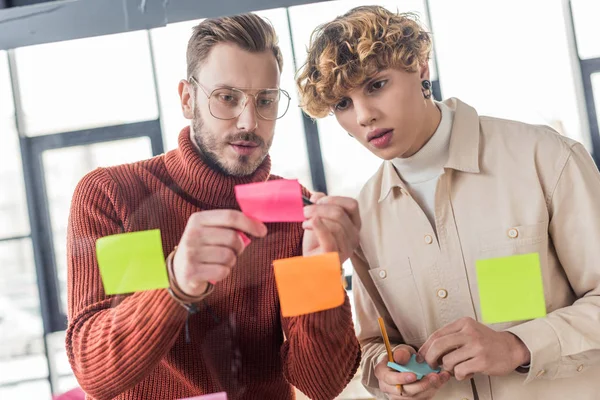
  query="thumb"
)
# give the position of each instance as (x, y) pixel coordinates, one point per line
(316, 196)
(402, 354)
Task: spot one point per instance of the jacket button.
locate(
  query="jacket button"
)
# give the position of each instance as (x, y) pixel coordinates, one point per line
(428, 239)
(513, 233)
(382, 274)
(442, 293)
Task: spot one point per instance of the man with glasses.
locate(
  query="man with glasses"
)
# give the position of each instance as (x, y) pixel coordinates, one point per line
(226, 103)
(218, 327)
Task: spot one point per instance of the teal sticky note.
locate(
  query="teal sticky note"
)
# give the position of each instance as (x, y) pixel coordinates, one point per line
(511, 288)
(132, 262)
(419, 369)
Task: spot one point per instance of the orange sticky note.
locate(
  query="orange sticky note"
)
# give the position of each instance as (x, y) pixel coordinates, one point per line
(309, 284)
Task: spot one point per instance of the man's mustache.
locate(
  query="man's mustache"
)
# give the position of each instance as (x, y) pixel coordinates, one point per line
(246, 137)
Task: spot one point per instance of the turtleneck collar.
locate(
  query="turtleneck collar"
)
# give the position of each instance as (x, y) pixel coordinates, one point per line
(203, 183)
(429, 161)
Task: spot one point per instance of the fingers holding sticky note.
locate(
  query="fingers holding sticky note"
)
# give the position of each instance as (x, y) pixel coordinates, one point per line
(511, 288)
(419, 369)
(308, 284)
(132, 262)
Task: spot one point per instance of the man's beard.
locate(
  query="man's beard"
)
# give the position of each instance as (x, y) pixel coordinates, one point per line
(208, 145)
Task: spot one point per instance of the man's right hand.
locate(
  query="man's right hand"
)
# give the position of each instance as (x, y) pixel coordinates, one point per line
(424, 389)
(210, 246)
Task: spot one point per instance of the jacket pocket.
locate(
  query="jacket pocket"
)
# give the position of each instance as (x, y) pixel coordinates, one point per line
(398, 290)
(516, 240)
(513, 237)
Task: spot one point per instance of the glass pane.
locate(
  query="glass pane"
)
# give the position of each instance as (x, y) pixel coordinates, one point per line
(348, 165)
(515, 76)
(29, 390)
(7, 109)
(14, 220)
(86, 83)
(596, 91)
(21, 345)
(288, 154)
(169, 44)
(64, 168)
(587, 29)
(23, 368)
(66, 383)
(60, 362)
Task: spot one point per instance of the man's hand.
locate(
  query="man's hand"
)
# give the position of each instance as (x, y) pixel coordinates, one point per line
(332, 225)
(467, 347)
(424, 389)
(210, 246)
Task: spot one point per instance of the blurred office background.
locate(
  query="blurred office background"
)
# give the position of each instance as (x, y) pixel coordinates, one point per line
(88, 83)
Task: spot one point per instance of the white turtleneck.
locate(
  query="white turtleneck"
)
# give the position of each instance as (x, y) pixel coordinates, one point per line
(421, 171)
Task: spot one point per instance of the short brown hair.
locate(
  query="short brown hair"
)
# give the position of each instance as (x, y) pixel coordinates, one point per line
(248, 31)
(350, 49)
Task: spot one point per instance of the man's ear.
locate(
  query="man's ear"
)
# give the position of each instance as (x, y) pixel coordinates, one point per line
(186, 95)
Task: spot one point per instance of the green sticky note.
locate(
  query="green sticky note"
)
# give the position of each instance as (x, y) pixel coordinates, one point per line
(132, 262)
(511, 288)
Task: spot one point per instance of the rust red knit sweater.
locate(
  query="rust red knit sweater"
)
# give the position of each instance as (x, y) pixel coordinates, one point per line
(133, 347)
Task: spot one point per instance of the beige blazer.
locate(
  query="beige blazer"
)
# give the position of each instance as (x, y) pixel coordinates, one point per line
(507, 188)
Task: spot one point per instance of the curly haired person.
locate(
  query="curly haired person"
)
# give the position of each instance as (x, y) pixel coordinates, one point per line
(456, 187)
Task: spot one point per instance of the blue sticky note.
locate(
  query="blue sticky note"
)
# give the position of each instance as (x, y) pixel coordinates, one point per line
(419, 369)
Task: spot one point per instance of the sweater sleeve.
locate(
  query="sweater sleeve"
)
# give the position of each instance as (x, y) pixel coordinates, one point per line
(112, 342)
(321, 353)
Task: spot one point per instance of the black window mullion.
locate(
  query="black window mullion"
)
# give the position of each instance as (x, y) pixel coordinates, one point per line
(588, 68)
(311, 132)
(48, 308)
(14, 238)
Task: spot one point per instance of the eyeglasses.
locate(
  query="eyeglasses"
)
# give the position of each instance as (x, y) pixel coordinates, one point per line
(229, 103)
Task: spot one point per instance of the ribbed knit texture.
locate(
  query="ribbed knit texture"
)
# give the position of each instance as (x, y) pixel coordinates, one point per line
(133, 347)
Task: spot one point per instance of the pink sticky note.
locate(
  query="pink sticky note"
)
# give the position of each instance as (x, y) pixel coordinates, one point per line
(214, 396)
(245, 239)
(273, 201)
(74, 394)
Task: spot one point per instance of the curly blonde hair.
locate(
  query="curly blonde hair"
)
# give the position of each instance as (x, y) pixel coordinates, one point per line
(352, 48)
